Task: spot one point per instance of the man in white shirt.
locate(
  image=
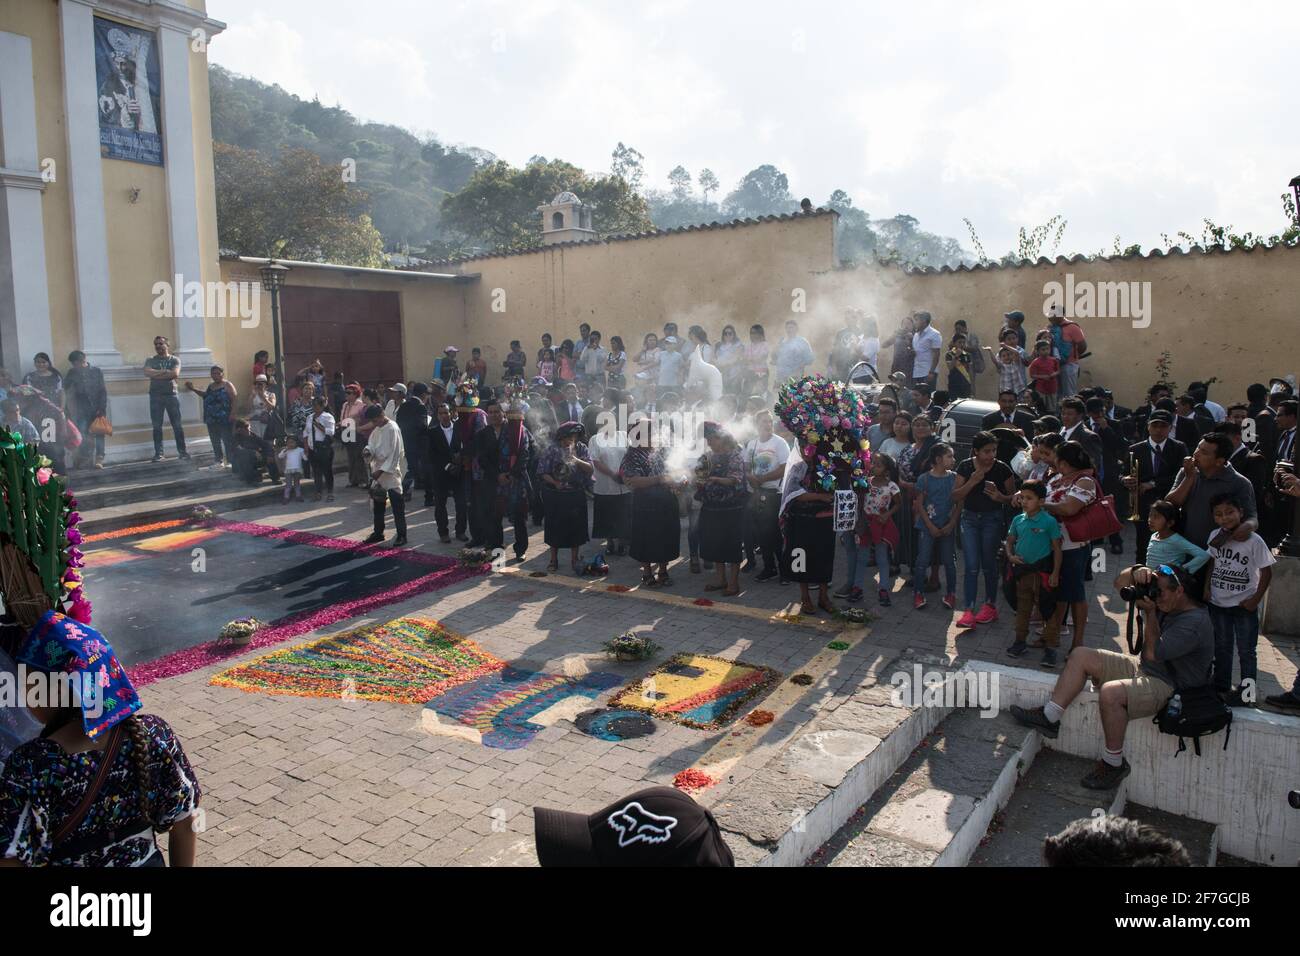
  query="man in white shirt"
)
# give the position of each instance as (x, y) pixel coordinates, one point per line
(591, 363)
(318, 439)
(765, 458)
(670, 365)
(386, 457)
(793, 355)
(396, 395)
(926, 343)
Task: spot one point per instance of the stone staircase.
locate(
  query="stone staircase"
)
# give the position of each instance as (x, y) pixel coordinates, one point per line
(142, 492)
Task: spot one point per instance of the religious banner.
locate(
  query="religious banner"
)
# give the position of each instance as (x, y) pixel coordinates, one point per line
(126, 71)
(846, 510)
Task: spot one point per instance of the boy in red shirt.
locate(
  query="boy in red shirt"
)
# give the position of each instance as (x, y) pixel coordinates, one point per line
(1043, 371)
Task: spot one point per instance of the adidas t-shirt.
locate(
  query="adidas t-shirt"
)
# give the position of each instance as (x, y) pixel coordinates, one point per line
(1235, 574)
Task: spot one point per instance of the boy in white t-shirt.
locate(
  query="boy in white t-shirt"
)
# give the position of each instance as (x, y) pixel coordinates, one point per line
(1239, 576)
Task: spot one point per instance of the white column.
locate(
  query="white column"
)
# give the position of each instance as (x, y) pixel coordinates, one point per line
(182, 186)
(86, 185)
(24, 289)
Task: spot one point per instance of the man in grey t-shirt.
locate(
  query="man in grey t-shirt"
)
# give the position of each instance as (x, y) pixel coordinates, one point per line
(1206, 475)
(1178, 652)
(163, 369)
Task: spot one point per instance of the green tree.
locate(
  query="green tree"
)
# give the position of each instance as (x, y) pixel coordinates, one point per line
(764, 191)
(708, 182)
(292, 207)
(628, 163)
(497, 209)
(680, 181)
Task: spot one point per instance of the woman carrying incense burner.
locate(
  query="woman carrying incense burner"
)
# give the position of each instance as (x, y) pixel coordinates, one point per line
(566, 471)
(721, 491)
(655, 528)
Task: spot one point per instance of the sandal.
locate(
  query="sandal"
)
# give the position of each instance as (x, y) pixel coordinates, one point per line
(809, 609)
(648, 581)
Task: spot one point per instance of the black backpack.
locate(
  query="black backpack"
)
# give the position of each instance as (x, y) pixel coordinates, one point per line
(1203, 712)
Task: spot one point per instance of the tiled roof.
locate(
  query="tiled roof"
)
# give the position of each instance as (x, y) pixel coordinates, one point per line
(1076, 258)
(629, 236)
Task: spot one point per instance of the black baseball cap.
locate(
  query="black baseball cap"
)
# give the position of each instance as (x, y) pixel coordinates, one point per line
(659, 826)
(1160, 415)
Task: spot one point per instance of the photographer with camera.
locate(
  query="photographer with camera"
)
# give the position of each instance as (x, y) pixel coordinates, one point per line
(1178, 652)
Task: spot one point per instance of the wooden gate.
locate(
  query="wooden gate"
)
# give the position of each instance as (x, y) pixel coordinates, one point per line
(356, 332)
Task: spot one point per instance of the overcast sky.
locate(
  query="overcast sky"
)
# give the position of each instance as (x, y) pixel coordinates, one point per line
(1128, 119)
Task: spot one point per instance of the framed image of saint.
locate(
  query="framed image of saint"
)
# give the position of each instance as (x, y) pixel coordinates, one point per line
(126, 74)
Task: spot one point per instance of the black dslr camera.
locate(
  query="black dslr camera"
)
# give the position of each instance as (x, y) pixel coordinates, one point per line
(1136, 592)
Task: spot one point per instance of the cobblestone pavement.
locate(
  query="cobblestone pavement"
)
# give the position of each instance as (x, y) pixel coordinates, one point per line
(308, 781)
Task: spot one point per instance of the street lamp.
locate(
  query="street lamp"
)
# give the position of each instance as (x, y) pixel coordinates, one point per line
(1295, 188)
(273, 274)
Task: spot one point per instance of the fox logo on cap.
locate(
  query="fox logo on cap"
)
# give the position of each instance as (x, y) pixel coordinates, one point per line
(635, 823)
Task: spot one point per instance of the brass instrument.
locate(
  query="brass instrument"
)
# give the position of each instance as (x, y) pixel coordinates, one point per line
(1136, 493)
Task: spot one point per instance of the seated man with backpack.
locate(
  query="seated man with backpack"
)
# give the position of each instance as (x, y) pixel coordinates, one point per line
(1176, 655)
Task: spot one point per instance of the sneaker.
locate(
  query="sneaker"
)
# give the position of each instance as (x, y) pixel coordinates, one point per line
(967, 618)
(1049, 658)
(854, 596)
(950, 601)
(844, 591)
(918, 602)
(1017, 649)
(329, 497)
(767, 575)
(517, 559)
(374, 538)
(1106, 777)
(100, 463)
(883, 597)
(987, 614)
(156, 458)
(1034, 717)
(1288, 701)
(183, 456)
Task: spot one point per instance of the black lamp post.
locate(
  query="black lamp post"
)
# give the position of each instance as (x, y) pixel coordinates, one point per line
(273, 274)
(1295, 188)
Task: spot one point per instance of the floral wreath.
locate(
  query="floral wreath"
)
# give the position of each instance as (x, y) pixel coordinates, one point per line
(829, 421)
(39, 558)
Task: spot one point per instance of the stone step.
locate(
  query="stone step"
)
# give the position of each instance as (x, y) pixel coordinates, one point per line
(1048, 798)
(1200, 839)
(169, 469)
(937, 806)
(231, 497)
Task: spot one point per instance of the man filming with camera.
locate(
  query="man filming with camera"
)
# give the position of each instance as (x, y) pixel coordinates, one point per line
(1177, 652)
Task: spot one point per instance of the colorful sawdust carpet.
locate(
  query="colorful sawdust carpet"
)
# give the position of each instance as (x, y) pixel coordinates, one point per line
(697, 690)
(615, 725)
(510, 707)
(407, 661)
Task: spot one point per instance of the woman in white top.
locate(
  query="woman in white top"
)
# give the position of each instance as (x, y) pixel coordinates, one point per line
(1069, 491)
(699, 344)
(611, 515)
(730, 355)
(869, 343)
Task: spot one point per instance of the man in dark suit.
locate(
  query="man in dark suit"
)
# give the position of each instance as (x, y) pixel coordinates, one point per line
(1114, 450)
(1262, 437)
(1154, 394)
(1009, 414)
(1159, 461)
(1279, 509)
(504, 450)
(1254, 468)
(442, 479)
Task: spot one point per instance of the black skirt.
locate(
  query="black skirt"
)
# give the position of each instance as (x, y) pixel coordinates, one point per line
(812, 536)
(655, 528)
(566, 518)
(720, 533)
(609, 516)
